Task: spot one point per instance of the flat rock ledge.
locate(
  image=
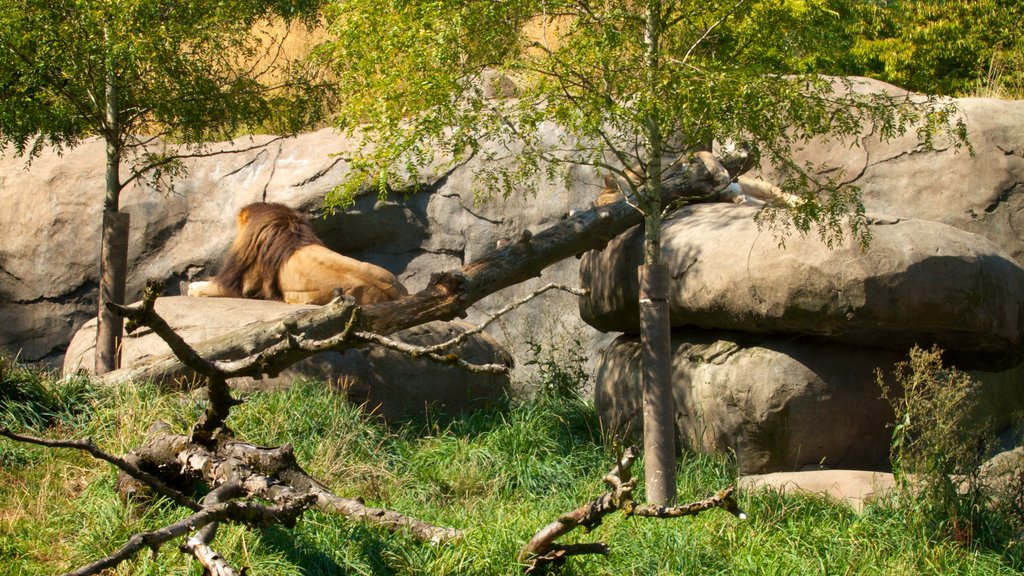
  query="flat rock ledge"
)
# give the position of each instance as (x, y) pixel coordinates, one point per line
(382, 381)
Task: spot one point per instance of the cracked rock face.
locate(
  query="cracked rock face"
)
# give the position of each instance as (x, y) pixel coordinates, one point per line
(792, 382)
(919, 282)
(49, 232)
(981, 193)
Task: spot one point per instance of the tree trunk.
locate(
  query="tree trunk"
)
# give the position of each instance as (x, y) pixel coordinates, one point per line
(113, 276)
(655, 337)
(114, 247)
(658, 401)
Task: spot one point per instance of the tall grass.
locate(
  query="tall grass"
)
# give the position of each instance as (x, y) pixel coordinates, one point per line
(940, 443)
(499, 475)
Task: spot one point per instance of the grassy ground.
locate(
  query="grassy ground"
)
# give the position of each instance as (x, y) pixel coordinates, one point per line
(498, 475)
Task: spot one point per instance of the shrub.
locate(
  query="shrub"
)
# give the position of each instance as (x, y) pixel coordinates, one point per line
(561, 368)
(938, 447)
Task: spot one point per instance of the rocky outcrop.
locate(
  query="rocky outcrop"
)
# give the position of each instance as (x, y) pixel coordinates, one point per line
(777, 403)
(919, 282)
(385, 382)
(980, 190)
(792, 382)
(49, 236)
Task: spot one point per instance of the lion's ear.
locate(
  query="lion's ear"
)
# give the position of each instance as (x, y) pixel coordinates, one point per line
(243, 217)
(609, 182)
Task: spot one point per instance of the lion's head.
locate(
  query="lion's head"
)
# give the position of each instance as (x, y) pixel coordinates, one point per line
(268, 235)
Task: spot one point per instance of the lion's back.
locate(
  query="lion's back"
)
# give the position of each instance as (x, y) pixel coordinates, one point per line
(314, 272)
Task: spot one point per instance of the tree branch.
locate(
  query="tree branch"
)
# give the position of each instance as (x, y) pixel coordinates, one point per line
(449, 294)
(128, 468)
(248, 513)
(542, 550)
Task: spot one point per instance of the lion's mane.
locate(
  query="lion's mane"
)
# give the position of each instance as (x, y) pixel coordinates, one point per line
(268, 235)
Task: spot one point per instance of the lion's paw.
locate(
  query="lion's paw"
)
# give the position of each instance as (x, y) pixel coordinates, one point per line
(197, 288)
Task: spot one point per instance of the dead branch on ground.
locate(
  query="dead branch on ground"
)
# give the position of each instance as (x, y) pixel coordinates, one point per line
(543, 551)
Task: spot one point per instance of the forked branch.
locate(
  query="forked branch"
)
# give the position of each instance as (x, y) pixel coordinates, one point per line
(543, 550)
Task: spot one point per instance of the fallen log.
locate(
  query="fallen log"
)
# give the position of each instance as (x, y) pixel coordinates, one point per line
(449, 294)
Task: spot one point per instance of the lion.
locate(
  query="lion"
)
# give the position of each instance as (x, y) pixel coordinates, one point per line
(277, 256)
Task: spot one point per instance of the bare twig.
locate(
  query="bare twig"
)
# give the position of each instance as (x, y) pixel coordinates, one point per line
(542, 550)
(128, 468)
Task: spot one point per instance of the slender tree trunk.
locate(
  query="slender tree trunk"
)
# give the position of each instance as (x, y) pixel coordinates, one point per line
(113, 275)
(655, 337)
(114, 247)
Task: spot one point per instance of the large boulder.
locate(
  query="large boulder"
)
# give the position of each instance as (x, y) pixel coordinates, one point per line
(980, 190)
(385, 382)
(778, 404)
(919, 282)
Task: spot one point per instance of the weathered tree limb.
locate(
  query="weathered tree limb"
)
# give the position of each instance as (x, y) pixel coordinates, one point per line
(122, 464)
(274, 474)
(198, 544)
(449, 294)
(542, 550)
(248, 513)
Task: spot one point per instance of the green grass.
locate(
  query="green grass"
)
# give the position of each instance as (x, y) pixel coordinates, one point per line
(499, 475)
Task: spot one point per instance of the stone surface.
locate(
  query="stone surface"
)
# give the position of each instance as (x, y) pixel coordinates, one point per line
(49, 236)
(919, 282)
(981, 192)
(779, 404)
(383, 381)
(853, 487)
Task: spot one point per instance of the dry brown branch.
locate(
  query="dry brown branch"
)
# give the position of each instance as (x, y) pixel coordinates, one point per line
(542, 551)
(122, 464)
(383, 340)
(449, 294)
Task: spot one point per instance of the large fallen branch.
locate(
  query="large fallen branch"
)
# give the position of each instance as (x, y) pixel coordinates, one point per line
(543, 551)
(448, 294)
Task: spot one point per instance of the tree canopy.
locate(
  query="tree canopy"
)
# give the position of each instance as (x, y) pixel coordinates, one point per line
(962, 48)
(181, 70)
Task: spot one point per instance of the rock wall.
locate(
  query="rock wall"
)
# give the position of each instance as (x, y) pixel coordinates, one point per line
(49, 232)
(775, 350)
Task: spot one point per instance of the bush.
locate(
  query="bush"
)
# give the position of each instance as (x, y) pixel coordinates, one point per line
(938, 448)
(561, 369)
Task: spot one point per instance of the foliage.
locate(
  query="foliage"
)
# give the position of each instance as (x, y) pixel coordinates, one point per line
(415, 74)
(33, 399)
(561, 369)
(955, 48)
(500, 475)
(938, 446)
(176, 69)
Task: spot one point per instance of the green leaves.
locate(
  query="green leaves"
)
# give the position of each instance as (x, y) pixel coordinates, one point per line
(949, 48)
(741, 71)
(185, 70)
